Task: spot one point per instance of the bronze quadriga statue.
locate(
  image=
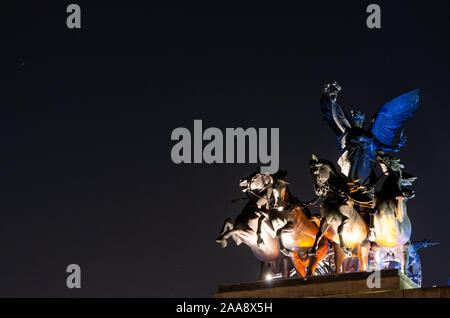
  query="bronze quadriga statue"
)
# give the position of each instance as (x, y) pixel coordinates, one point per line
(363, 222)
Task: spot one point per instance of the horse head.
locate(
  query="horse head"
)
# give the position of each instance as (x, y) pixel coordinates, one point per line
(256, 182)
(258, 186)
(321, 171)
(267, 189)
(327, 179)
(397, 179)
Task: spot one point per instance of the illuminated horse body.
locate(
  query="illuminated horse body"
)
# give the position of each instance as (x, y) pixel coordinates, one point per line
(244, 230)
(341, 223)
(390, 222)
(264, 229)
(294, 228)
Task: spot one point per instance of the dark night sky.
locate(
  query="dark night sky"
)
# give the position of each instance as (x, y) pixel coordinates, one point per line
(85, 170)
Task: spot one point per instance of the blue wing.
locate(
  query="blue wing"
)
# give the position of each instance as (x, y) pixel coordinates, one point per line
(393, 115)
(327, 114)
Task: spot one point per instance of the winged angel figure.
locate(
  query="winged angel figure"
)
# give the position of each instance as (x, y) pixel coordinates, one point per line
(358, 146)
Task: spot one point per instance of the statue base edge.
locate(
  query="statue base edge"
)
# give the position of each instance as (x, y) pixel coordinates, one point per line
(392, 284)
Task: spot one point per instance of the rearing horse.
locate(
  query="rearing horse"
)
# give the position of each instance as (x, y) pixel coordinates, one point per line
(245, 227)
(294, 228)
(340, 220)
(391, 225)
(264, 228)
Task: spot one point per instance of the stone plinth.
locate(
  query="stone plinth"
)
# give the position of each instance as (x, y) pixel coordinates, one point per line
(393, 283)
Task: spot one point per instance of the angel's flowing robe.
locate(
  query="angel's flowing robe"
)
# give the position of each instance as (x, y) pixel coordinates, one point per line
(358, 159)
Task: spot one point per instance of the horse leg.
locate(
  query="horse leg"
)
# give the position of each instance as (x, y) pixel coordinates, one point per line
(363, 256)
(222, 239)
(399, 210)
(285, 267)
(261, 270)
(319, 236)
(265, 270)
(287, 226)
(320, 254)
(405, 258)
(340, 229)
(258, 230)
(338, 258)
(299, 264)
(375, 254)
(227, 225)
(372, 236)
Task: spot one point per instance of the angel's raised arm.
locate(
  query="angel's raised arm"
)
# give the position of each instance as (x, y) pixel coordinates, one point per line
(340, 120)
(333, 114)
